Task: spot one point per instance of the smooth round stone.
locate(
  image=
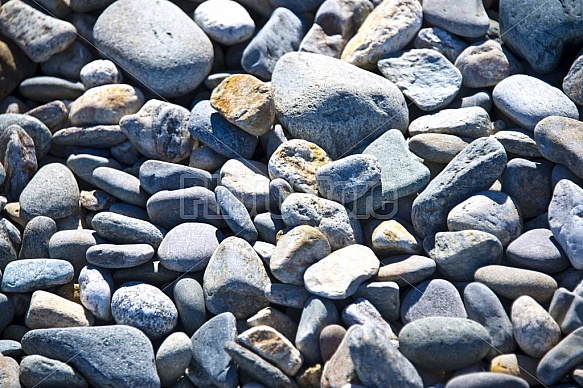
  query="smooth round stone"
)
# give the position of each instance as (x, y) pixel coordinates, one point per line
(384, 296)
(441, 40)
(119, 256)
(224, 21)
(48, 310)
(489, 211)
(519, 142)
(36, 236)
(487, 379)
(248, 181)
(297, 161)
(473, 122)
(83, 165)
(424, 76)
(308, 88)
(296, 251)
(68, 63)
(528, 100)
(28, 275)
(189, 300)
(234, 279)
(38, 131)
(171, 59)
(437, 147)
(121, 185)
(100, 136)
(10, 348)
(349, 178)
(205, 158)
(95, 291)
(338, 275)
(235, 214)
(434, 298)
(160, 131)
(47, 89)
(535, 331)
(56, 185)
(156, 175)
(105, 104)
(10, 372)
(274, 318)
(100, 72)
(279, 190)
(41, 371)
(512, 283)
(459, 254)
(558, 141)
(406, 269)
(121, 229)
(571, 82)
(145, 307)
(466, 18)
(483, 64)
(188, 247)
(71, 245)
(394, 237)
(537, 250)
(288, 295)
(330, 338)
(173, 357)
(316, 315)
(268, 226)
(562, 359)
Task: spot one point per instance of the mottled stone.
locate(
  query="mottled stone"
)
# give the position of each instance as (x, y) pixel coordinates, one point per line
(565, 308)
(392, 237)
(18, 159)
(483, 64)
(100, 136)
(434, 298)
(100, 72)
(48, 310)
(275, 319)
(287, 295)
(338, 367)
(248, 181)
(28, 275)
(95, 291)
(405, 270)
(472, 122)
(41, 372)
(516, 365)
(465, 18)
(9, 372)
(173, 357)
(189, 300)
(121, 229)
(119, 256)
(558, 140)
(519, 142)
(36, 236)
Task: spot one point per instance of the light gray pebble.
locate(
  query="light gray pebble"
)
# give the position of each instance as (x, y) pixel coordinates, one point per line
(441, 40)
(95, 290)
(384, 296)
(362, 312)
(537, 250)
(268, 225)
(100, 72)
(41, 371)
(119, 256)
(224, 21)
(10, 348)
(483, 64)
(173, 357)
(518, 142)
(189, 300)
(316, 314)
(558, 141)
(121, 185)
(288, 295)
(248, 181)
(100, 136)
(473, 122)
(235, 214)
(437, 147)
(405, 269)
(205, 158)
(434, 298)
(28, 275)
(571, 84)
(465, 18)
(535, 331)
(156, 175)
(37, 130)
(83, 165)
(52, 114)
(72, 245)
(121, 229)
(46, 89)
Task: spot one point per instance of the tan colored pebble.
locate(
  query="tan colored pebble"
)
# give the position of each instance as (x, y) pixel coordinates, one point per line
(48, 310)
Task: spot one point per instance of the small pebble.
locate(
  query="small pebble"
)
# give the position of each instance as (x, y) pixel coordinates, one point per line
(48, 310)
(119, 256)
(100, 72)
(173, 357)
(95, 290)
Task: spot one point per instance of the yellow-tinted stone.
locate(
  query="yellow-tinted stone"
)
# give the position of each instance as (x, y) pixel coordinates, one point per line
(48, 310)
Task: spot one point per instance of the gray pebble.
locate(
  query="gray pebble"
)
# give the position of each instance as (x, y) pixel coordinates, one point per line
(275, 319)
(235, 214)
(173, 357)
(473, 122)
(362, 312)
(156, 175)
(151, 272)
(557, 140)
(46, 89)
(248, 181)
(483, 64)
(405, 269)
(39, 371)
(126, 230)
(128, 210)
(225, 21)
(467, 98)
(18, 160)
(28, 275)
(434, 298)
(121, 185)
(96, 200)
(38, 131)
(100, 72)
(52, 114)
(68, 63)
(268, 225)
(10, 348)
(205, 158)
(437, 147)
(288, 295)
(518, 142)
(316, 314)
(125, 153)
(189, 300)
(537, 250)
(279, 190)
(95, 290)
(465, 18)
(384, 296)
(100, 136)
(83, 165)
(441, 40)
(119, 256)
(571, 85)
(487, 379)
(72, 245)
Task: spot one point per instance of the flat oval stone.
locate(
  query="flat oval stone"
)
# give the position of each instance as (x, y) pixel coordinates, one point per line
(473, 122)
(83, 165)
(406, 269)
(95, 290)
(171, 59)
(512, 283)
(71, 245)
(434, 298)
(248, 181)
(316, 315)
(388, 28)
(487, 379)
(36, 129)
(224, 21)
(235, 214)
(57, 186)
(100, 72)
(466, 18)
(426, 340)
(425, 76)
(338, 275)
(156, 175)
(121, 185)
(188, 247)
(437, 147)
(528, 100)
(564, 215)
(173, 357)
(309, 88)
(189, 300)
(47, 89)
(557, 140)
(28, 275)
(145, 307)
(121, 229)
(19, 161)
(100, 136)
(119, 256)
(393, 237)
(518, 142)
(537, 250)
(287, 295)
(39, 370)
(275, 319)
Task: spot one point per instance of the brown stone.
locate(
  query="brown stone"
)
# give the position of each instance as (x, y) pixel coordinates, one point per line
(275, 319)
(309, 377)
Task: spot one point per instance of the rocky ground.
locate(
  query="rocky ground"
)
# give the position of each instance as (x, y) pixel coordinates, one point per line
(279, 193)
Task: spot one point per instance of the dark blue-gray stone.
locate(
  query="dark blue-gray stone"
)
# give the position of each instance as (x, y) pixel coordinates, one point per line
(7, 308)
(99, 136)
(362, 312)
(19, 162)
(567, 310)
(208, 352)
(151, 272)
(156, 175)
(28, 275)
(484, 307)
(558, 362)
(282, 34)
(487, 380)
(268, 225)
(235, 214)
(538, 250)
(125, 209)
(68, 63)
(189, 300)
(316, 314)
(72, 245)
(299, 7)
(279, 190)
(210, 128)
(39, 132)
(96, 353)
(10, 348)
(432, 298)
(384, 296)
(121, 185)
(119, 256)
(572, 81)
(126, 230)
(560, 171)
(47, 89)
(473, 170)
(39, 371)
(288, 295)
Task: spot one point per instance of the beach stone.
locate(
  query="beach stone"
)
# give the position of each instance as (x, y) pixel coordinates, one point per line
(473, 122)
(235, 270)
(393, 237)
(156, 175)
(211, 128)
(100, 72)
(535, 331)
(493, 212)
(10, 348)
(424, 76)
(484, 307)
(28, 275)
(15, 68)
(338, 367)
(95, 291)
(512, 283)
(468, 98)
(387, 29)
(467, 18)
(338, 275)
(9, 372)
(516, 365)
(268, 226)
(72, 245)
(571, 83)
(119, 256)
(362, 312)
(95, 352)
(18, 159)
(56, 184)
(121, 185)
(9, 312)
(235, 214)
(245, 102)
(83, 165)
(128, 210)
(188, 247)
(7, 249)
(519, 142)
(316, 315)
(486, 379)
(282, 34)
(471, 171)
(248, 181)
(105, 104)
(121, 229)
(208, 349)
(483, 64)
(405, 269)
(377, 362)
(437, 147)
(224, 21)
(459, 254)
(21, 23)
(275, 319)
(288, 295)
(96, 200)
(434, 298)
(36, 236)
(537, 250)
(189, 300)
(297, 161)
(48, 310)
(279, 190)
(39, 132)
(441, 40)
(68, 63)
(528, 100)
(171, 59)
(561, 360)
(169, 208)
(99, 136)
(43, 372)
(305, 6)
(336, 222)
(309, 88)
(564, 211)
(145, 307)
(347, 179)
(159, 130)
(296, 251)
(330, 339)
(46, 89)
(557, 140)
(426, 340)
(173, 357)
(384, 296)
(205, 158)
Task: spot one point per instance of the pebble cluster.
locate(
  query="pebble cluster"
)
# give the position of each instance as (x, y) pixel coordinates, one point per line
(279, 193)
